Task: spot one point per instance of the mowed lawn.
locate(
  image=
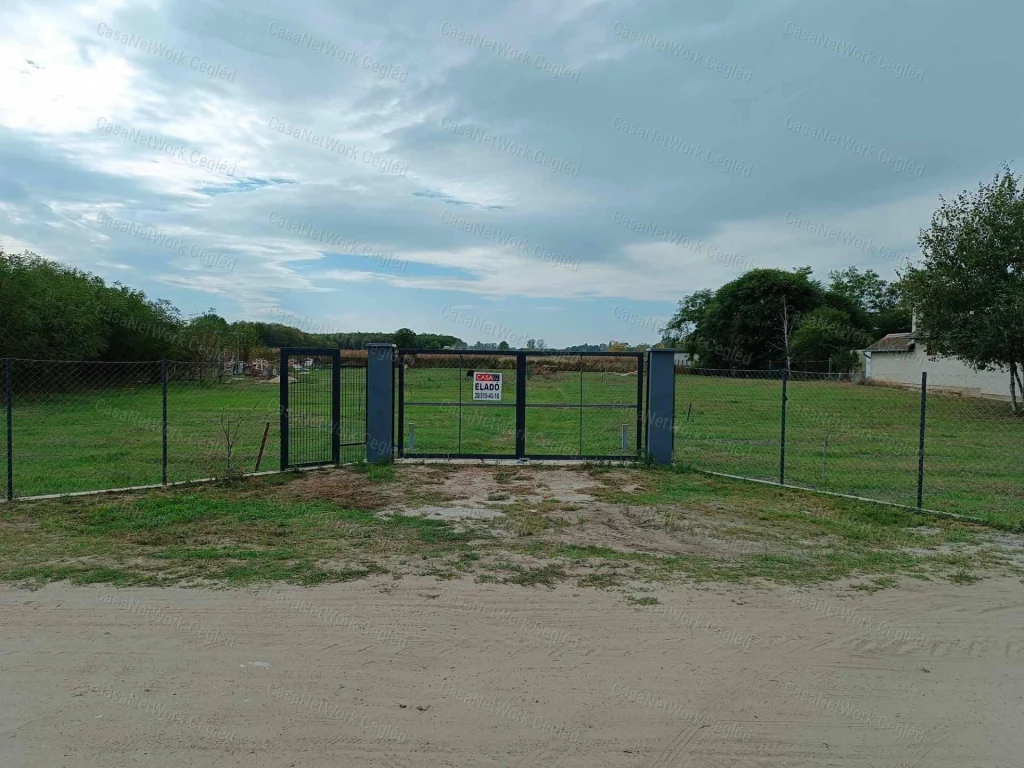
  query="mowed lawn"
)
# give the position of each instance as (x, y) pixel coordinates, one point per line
(857, 439)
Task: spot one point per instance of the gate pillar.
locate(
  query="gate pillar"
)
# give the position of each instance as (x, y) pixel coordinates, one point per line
(661, 404)
(380, 401)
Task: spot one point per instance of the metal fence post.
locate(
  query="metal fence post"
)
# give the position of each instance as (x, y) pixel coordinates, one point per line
(782, 437)
(920, 447)
(336, 407)
(163, 464)
(10, 428)
(283, 409)
(521, 374)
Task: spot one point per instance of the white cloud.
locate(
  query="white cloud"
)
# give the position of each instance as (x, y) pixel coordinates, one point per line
(58, 170)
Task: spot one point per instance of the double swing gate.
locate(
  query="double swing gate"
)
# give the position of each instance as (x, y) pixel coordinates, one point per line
(323, 407)
(519, 404)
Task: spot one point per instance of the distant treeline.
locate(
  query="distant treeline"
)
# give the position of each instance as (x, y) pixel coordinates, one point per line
(278, 335)
(50, 311)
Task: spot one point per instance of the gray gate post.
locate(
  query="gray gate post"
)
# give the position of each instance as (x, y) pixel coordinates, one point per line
(380, 401)
(661, 404)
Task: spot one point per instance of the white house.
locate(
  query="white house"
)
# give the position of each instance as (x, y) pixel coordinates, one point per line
(899, 359)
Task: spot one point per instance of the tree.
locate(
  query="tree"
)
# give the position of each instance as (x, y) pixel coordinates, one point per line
(207, 337)
(405, 338)
(691, 310)
(824, 334)
(541, 344)
(968, 290)
(742, 322)
(617, 346)
(881, 309)
(787, 324)
(503, 345)
(531, 343)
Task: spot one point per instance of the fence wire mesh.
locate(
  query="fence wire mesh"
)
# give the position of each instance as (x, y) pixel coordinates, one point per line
(86, 426)
(440, 416)
(216, 422)
(853, 438)
(848, 438)
(729, 421)
(973, 449)
(572, 405)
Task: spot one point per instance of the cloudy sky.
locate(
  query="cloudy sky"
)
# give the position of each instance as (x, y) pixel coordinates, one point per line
(565, 169)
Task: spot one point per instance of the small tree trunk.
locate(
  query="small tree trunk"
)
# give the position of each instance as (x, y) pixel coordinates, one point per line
(785, 335)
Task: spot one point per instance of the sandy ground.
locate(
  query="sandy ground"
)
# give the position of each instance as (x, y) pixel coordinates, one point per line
(425, 673)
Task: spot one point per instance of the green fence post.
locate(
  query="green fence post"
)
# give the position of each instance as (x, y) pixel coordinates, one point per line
(163, 463)
(782, 437)
(920, 445)
(10, 428)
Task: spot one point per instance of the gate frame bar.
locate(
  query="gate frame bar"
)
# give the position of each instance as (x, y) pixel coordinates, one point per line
(520, 405)
(335, 355)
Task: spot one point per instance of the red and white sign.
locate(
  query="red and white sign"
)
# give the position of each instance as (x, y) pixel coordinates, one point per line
(486, 386)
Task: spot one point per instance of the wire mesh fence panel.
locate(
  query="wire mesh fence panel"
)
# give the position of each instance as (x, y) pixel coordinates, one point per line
(86, 426)
(729, 421)
(553, 431)
(6, 398)
(83, 426)
(311, 410)
(610, 432)
(554, 392)
(851, 438)
(216, 421)
(433, 389)
(442, 410)
(973, 449)
(612, 403)
(487, 430)
(353, 409)
(485, 426)
(576, 405)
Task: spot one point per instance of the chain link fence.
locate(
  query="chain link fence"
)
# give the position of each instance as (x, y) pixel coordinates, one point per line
(85, 426)
(827, 432)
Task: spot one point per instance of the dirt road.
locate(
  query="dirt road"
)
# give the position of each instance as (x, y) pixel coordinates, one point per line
(423, 673)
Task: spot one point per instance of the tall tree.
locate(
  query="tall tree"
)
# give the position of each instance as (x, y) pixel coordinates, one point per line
(880, 308)
(828, 334)
(691, 310)
(742, 322)
(405, 338)
(968, 290)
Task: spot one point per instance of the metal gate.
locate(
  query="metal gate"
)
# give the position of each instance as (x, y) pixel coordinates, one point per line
(323, 407)
(492, 404)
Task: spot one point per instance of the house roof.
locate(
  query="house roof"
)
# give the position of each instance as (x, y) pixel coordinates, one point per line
(894, 342)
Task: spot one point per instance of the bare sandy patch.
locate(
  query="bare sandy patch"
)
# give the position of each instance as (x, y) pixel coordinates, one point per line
(419, 673)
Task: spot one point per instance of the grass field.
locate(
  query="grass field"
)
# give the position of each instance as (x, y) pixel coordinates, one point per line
(972, 446)
(111, 438)
(841, 437)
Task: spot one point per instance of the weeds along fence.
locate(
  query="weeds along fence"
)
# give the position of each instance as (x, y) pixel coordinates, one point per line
(935, 446)
(72, 426)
